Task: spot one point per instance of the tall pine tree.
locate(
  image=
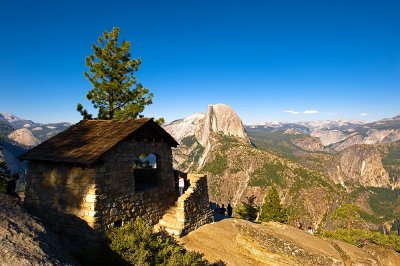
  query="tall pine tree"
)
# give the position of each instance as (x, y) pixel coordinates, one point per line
(272, 209)
(115, 93)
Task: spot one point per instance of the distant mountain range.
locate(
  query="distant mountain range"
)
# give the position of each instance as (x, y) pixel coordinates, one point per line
(18, 134)
(339, 134)
(9, 123)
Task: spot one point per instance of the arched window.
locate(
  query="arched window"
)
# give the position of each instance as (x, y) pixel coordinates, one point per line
(145, 171)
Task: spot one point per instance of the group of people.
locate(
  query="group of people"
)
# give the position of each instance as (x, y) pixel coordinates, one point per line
(387, 228)
(310, 230)
(222, 210)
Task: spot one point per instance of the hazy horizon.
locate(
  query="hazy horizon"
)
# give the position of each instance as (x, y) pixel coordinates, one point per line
(246, 124)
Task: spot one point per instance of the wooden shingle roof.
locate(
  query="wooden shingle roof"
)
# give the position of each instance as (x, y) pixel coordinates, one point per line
(87, 141)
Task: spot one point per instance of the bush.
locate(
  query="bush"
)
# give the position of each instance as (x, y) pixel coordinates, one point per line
(360, 236)
(138, 245)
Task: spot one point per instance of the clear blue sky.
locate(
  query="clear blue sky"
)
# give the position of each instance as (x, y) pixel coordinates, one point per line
(269, 60)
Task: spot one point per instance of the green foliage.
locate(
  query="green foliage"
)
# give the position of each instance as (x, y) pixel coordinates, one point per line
(275, 142)
(268, 175)
(272, 210)
(111, 72)
(369, 217)
(138, 245)
(393, 155)
(234, 170)
(312, 178)
(196, 154)
(196, 151)
(359, 236)
(248, 210)
(227, 142)
(160, 121)
(384, 202)
(391, 160)
(347, 215)
(188, 141)
(217, 166)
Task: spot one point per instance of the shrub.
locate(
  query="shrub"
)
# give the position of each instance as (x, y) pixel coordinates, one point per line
(360, 236)
(138, 245)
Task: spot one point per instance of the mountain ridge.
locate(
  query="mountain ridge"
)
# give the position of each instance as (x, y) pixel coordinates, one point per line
(237, 169)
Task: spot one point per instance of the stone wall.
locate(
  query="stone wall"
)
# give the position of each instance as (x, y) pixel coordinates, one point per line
(62, 195)
(196, 204)
(118, 201)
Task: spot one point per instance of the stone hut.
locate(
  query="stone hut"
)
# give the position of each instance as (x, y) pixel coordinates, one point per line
(101, 174)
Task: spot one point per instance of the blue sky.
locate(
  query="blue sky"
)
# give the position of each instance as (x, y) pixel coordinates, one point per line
(269, 60)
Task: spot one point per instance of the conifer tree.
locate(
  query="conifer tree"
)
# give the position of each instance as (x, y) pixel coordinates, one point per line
(347, 215)
(272, 210)
(248, 210)
(115, 93)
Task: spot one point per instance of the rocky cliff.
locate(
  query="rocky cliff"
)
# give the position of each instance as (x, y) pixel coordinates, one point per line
(239, 242)
(24, 137)
(359, 164)
(329, 137)
(25, 241)
(221, 119)
(182, 128)
(196, 134)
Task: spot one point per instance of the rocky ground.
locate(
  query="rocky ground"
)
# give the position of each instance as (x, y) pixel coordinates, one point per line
(24, 240)
(239, 242)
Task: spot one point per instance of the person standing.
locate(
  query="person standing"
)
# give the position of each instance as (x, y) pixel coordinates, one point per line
(229, 209)
(387, 227)
(181, 184)
(223, 210)
(12, 186)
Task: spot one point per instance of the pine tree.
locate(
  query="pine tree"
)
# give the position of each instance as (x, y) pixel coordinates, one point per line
(272, 210)
(115, 93)
(248, 210)
(347, 215)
